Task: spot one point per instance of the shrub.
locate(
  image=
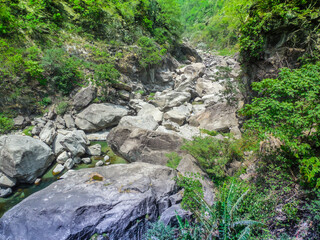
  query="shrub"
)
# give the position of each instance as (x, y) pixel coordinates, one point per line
(28, 131)
(60, 70)
(174, 160)
(149, 52)
(6, 124)
(288, 108)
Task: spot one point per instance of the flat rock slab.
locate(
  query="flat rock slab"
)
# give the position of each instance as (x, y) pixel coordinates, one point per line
(116, 200)
(140, 145)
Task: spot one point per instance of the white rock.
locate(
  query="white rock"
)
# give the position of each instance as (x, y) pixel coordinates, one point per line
(58, 169)
(99, 163)
(94, 150)
(63, 157)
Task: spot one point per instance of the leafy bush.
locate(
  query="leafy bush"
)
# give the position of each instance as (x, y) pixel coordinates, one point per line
(159, 231)
(60, 70)
(174, 160)
(149, 52)
(289, 108)
(6, 124)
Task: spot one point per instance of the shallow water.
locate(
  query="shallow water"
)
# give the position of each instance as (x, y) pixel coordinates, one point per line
(24, 190)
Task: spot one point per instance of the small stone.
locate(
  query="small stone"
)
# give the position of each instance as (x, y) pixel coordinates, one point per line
(94, 150)
(63, 157)
(106, 158)
(6, 181)
(37, 181)
(100, 163)
(86, 160)
(77, 160)
(69, 164)
(5, 192)
(58, 169)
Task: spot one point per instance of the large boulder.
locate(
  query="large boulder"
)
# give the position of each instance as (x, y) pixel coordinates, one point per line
(24, 158)
(140, 145)
(169, 99)
(150, 110)
(100, 116)
(117, 200)
(219, 117)
(75, 142)
(84, 97)
(48, 133)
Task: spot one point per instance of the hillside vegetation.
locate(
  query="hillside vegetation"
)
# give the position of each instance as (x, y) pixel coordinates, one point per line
(49, 47)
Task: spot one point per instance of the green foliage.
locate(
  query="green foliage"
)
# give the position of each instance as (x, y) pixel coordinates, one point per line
(192, 190)
(173, 160)
(159, 231)
(298, 22)
(149, 52)
(46, 101)
(105, 73)
(213, 154)
(6, 124)
(61, 71)
(62, 107)
(28, 131)
(289, 109)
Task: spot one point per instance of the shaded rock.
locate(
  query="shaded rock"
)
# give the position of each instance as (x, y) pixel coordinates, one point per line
(78, 206)
(188, 164)
(5, 192)
(56, 146)
(69, 163)
(6, 181)
(69, 121)
(140, 145)
(75, 142)
(94, 150)
(23, 157)
(169, 216)
(63, 157)
(84, 97)
(48, 133)
(100, 116)
(36, 130)
(19, 121)
(144, 122)
(60, 122)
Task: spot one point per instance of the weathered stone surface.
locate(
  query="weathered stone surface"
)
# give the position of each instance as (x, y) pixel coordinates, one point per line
(170, 99)
(48, 133)
(99, 163)
(100, 116)
(178, 114)
(94, 150)
(78, 206)
(56, 146)
(207, 87)
(63, 157)
(19, 121)
(69, 121)
(219, 117)
(144, 122)
(5, 192)
(6, 181)
(86, 160)
(189, 165)
(24, 158)
(84, 97)
(140, 145)
(169, 216)
(58, 169)
(75, 142)
(150, 110)
(69, 164)
(98, 136)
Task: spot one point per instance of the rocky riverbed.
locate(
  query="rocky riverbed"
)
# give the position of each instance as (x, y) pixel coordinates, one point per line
(117, 200)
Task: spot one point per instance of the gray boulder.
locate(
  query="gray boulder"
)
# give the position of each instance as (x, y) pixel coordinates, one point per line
(150, 110)
(144, 122)
(24, 158)
(170, 99)
(140, 145)
(69, 121)
(5, 192)
(75, 142)
(84, 97)
(94, 150)
(219, 117)
(100, 116)
(6, 181)
(118, 200)
(48, 133)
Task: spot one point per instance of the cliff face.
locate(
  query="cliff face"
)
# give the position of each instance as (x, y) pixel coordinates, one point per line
(277, 35)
